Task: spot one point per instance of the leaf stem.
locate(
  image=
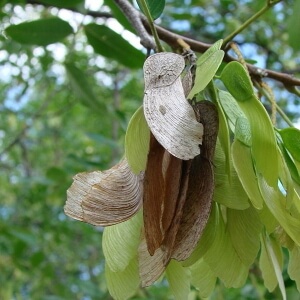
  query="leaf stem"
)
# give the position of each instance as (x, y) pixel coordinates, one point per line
(267, 6)
(147, 13)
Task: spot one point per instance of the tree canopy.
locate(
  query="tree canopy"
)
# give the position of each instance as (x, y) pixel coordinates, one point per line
(72, 87)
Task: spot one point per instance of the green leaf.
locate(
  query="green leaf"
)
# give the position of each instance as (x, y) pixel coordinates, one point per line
(224, 138)
(156, 7)
(82, 88)
(267, 218)
(37, 258)
(224, 260)
(290, 163)
(294, 208)
(102, 140)
(40, 32)
(283, 238)
(205, 71)
(179, 280)
(206, 239)
(276, 203)
(56, 174)
(243, 164)
(203, 278)
(123, 284)
(120, 243)
(287, 183)
(231, 108)
(137, 142)
(62, 3)
(291, 140)
(238, 83)
(228, 189)
(294, 25)
(244, 229)
(270, 263)
(111, 45)
(294, 265)
(211, 50)
(24, 235)
(243, 131)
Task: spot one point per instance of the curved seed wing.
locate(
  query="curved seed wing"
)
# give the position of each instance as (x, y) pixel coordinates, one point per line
(169, 115)
(151, 267)
(198, 202)
(105, 198)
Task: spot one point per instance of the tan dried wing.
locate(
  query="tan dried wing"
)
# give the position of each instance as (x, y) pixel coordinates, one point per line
(150, 267)
(105, 198)
(153, 196)
(169, 115)
(196, 210)
(198, 203)
(174, 228)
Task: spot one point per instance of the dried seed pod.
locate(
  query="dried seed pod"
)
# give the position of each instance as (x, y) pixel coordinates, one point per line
(161, 190)
(105, 198)
(170, 117)
(151, 267)
(177, 199)
(198, 202)
(165, 188)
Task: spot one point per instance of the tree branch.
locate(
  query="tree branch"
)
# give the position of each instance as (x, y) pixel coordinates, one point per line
(133, 17)
(197, 46)
(172, 39)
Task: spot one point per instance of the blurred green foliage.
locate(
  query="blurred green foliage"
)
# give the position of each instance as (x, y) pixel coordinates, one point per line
(64, 109)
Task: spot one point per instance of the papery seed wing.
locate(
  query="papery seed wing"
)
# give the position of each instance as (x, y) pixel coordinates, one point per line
(105, 198)
(172, 168)
(153, 196)
(161, 189)
(206, 113)
(198, 202)
(162, 69)
(151, 267)
(170, 117)
(197, 208)
(174, 228)
(187, 83)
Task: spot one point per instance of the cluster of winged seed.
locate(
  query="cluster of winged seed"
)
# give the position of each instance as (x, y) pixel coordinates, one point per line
(174, 186)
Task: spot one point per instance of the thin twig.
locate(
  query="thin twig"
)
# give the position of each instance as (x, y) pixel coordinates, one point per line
(267, 6)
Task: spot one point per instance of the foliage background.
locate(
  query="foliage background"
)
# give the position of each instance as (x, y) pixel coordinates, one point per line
(64, 109)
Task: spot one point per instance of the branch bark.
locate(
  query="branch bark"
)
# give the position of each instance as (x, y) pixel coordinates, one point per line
(133, 17)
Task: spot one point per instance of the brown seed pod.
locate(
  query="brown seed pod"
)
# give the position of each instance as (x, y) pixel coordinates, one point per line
(177, 199)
